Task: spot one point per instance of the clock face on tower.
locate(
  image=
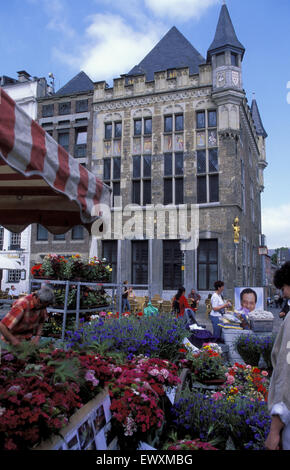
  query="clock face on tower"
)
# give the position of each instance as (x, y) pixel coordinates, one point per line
(221, 79)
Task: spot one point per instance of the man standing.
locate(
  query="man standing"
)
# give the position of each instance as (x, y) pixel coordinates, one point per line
(279, 397)
(25, 319)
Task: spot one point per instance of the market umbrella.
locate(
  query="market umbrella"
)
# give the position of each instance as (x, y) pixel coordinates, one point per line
(39, 181)
(8, 263)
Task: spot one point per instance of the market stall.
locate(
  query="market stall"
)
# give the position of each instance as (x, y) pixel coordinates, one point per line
(40, 182)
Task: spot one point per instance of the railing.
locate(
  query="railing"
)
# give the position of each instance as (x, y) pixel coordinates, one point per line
(35, 284)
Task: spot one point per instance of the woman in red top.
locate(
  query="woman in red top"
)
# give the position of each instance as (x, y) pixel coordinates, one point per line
(180, 301)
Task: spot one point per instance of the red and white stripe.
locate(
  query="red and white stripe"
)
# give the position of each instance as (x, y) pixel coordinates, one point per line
(39, 181)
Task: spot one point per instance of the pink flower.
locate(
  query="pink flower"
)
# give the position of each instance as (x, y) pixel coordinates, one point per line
(217, 396)
(230, 379)
(264, 373)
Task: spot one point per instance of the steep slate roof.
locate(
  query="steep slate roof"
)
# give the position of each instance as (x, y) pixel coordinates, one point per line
(172, 51)
(257, 119)
(225, 34)
(80, 83)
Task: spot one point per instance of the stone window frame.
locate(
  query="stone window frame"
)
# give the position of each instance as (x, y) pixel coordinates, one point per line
(47, 110)
(63, 132)
(112, 250)
(142, 119)
(135, 263)
(174, 177)
(207, 263)
(142, 179)
(112, 182)
(208, 175)
(173, 263)
(64, 108)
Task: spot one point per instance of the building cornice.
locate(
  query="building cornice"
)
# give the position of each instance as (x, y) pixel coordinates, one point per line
(161, 97)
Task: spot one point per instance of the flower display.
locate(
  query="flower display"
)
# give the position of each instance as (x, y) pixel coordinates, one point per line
(207, 364)
(158, 336)
(73, 268)
(41, 388)
(247, 381)
(248, 347)
(38, 394)
(246, 422)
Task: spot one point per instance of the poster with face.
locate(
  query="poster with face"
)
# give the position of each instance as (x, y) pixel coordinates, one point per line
(249, 298)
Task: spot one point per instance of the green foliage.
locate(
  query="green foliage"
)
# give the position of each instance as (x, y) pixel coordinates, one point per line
(66, 370)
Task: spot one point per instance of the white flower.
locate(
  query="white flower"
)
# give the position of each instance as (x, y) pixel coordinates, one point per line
(2, 411)
(154, 372)
(165, 373)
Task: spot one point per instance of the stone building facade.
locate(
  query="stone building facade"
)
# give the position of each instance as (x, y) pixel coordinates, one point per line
(177, 129)
(67, 116)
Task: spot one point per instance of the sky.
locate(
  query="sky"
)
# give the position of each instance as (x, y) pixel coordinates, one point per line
(106, 38)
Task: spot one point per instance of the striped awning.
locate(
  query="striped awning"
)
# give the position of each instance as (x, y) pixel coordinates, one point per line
(39, 181)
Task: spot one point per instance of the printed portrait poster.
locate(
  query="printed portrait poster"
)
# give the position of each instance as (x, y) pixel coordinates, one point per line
(251, 298)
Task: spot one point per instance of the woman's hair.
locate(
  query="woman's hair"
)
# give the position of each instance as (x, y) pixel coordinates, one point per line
(218, 284)
(282, 276)
(180, 292)
(45, 295)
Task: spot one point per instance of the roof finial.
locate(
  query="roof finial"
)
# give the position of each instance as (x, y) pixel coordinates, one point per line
(254, 95)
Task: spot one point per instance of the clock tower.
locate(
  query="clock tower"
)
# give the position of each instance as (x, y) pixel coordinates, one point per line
(225, 54)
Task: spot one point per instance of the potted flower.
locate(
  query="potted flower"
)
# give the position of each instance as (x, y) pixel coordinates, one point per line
(248, 348)
(37, 271)
(208, 366)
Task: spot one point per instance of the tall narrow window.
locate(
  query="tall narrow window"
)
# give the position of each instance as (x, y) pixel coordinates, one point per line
(207, 264)
(207, 157)
(173, 178)
(172, 263)
(63, 140)
(118, 129)
(140, 262)
(141, 181)
(109, 251)
(81, 143)
(112, 175)
(108, 130)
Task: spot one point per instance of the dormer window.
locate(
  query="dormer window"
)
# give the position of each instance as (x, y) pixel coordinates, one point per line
(220, 59)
